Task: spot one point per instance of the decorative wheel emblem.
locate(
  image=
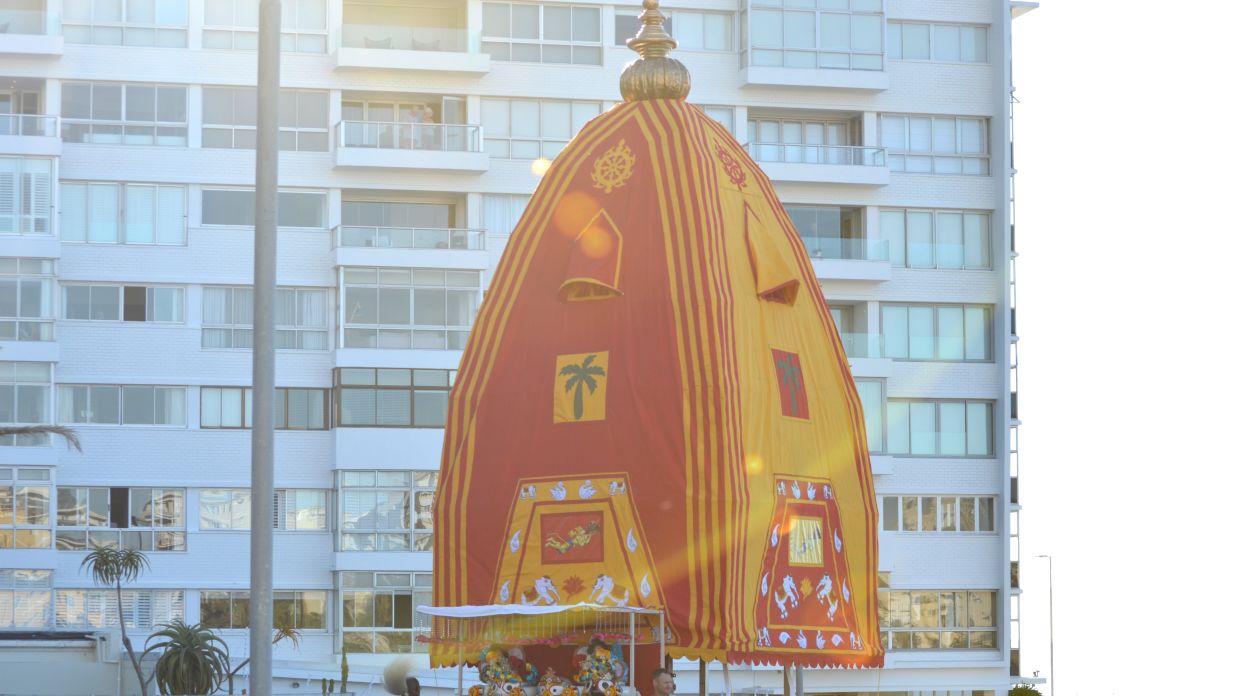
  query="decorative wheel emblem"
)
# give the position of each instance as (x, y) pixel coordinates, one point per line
(614, 167)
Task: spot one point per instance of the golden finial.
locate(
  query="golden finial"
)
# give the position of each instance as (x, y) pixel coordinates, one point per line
(654, 75)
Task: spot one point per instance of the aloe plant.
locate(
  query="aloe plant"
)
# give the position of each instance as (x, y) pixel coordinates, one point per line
(109, 568)
(193, 660)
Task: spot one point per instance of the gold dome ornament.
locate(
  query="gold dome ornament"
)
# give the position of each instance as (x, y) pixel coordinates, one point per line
(654, 75)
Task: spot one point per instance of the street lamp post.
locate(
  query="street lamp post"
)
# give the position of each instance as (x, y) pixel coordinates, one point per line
(1052, 670)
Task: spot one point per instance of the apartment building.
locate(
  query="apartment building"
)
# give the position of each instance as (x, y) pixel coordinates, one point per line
(411, 133)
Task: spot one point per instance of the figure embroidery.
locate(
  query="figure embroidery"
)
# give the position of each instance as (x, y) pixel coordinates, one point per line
(577, 537)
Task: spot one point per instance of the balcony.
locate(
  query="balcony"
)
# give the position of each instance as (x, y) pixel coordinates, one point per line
(30, 134)
(454, 248)
(28, 30)
(831, 47)
(430, 146)
(425, 38)
(859, 165)
(849, 259)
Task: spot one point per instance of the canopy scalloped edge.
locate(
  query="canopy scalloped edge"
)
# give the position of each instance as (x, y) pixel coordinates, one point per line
(487, 610)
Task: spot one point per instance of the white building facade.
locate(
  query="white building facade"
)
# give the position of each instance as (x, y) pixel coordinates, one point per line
(409, 130)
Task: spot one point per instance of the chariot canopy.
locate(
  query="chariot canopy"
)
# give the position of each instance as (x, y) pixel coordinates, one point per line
(654, 410)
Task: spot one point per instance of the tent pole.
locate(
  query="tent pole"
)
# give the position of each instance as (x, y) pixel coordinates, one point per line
(459, 671)
(785, 680)
(798, 680)
(661, 635)
(631, 643)
(704, 677)
(726, 676)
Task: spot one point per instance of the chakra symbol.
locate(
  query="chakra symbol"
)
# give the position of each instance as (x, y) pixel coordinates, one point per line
(614, 167)
(738, 177)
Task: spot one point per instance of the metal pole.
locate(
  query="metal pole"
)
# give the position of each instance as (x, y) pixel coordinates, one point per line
(1052, 669)
(262, 496)
(631, 646)
(798, 680)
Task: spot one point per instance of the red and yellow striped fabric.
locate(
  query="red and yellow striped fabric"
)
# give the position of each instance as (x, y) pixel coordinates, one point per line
(654, 408)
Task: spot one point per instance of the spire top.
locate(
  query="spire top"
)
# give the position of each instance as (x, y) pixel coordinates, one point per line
(654, 75)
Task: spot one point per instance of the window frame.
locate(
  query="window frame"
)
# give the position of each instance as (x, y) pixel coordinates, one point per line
(419, 585)
(19, 374)
(322, 194)
(890, 420)
(22, 483)
(150, 302)
(123, 524)
(234, 329)
(125, 26)
(903, 250)
(541, 42)
(748, 47)
(66, 401)
(411, 387)
(889, 632)
(295, 132)
(894, 26)
(988, 316)
(292, 39)
(897, 153)
(33, 192)
(621, 41)
(386, 281)
(21, 590)
(123, 124)
(503, 146)
(20, 272)
(122, 221)
(901, 525)
(246, 405)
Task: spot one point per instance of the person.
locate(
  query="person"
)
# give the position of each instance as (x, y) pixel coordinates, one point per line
(431, 130)
(663, 682)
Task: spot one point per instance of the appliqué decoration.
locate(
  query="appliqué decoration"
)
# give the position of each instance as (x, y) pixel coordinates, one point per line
(614, 167)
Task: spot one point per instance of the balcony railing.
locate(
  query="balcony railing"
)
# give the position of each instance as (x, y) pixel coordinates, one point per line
(434, 137)
(862, 345)
(29, 124)
(409, 237)
(404, 38)
(33, 22)
(847, 249)
(857, 155)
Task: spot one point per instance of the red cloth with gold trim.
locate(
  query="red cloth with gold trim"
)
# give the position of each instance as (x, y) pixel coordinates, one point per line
(654, 409)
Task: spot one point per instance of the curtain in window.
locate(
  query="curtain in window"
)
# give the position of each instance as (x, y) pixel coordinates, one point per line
(103, 213)
(139, 214)
(170, 219)
(500, 213)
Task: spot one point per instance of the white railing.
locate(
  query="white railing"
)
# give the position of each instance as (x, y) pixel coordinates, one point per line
(409, 237)
(29, 124)
(856, 155)
(438, 137)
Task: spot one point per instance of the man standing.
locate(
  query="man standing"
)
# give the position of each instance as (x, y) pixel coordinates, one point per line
(663, 682)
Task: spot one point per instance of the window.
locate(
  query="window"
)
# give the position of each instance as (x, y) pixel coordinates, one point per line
(25, 195)
(121, 405)
(302, 610)
(116, 114)
(532, 128)
(500, 212)
(295, 409)
(300, 509)
(931, 513)
(541, 33)
(379, 508)
(872, 397)
(923, 428)
(949, 43)
(722, 114)
(26, 299)
(237, 207)
(126, 22)
(25, 399)
(392, 397)
(938, 619)
(124, 302)
(936, 144)
(937, 332)
(951, 239)
(695, 31)
(25, 599)
(830, 232)
(409, 308)
(405, 225)
(146, 519)
(378, 611)
(107, 213)
(295, 509)
(143, 609)
(25, 510)
(230, 119)
(843, 34)
(233, 24)
(300, 318)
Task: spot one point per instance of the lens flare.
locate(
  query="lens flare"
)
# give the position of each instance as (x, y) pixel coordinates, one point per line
(574, 211)
(754, 464)
(540, 166)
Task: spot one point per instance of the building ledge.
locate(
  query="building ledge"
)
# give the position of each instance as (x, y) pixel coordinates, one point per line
(392, 59)
(854, 174)
(433, 160)
(31, 145)
(1017, 8)
(852, 269)
(31, 45)
(823, 78)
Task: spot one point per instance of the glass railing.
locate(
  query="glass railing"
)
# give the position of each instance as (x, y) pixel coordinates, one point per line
(25, 330)
(28, 124)
(862, 345)
(442, 137)
(24, 22)
(404, 38)
(122, 133)
(847, 249)
(409, 237)
(860, 155)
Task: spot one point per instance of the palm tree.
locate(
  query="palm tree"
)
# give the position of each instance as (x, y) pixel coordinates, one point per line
(194, 659)
(281, 633)
(69, 435)
(109, 568)
(791, 376)
(581, 376)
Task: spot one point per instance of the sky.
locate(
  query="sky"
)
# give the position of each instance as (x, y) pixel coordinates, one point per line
(1126, 367)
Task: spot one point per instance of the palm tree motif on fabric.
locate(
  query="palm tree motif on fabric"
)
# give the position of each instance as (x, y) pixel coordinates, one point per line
(790, 384)
(579, 376)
